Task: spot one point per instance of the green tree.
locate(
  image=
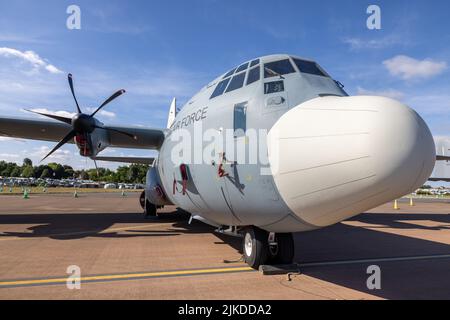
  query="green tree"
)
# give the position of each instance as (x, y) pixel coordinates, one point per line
(83, 175)
(27, 162)
(45, 174)
(28, 172)
(58, 170)
(15, 172)
(133, 173)
(68, 172)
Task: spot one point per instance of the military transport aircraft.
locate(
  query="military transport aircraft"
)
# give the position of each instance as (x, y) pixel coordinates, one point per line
(329, 156)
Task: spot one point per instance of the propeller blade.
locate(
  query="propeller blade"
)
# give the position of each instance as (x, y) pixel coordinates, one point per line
(62, 119)
(114, 96)
(132, 136)
(69, 136)
(73, 92)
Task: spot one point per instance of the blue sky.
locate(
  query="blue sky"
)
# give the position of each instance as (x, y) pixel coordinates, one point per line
(157, 50)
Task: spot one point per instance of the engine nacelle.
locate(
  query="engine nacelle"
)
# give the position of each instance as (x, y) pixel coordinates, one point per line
(91, 144)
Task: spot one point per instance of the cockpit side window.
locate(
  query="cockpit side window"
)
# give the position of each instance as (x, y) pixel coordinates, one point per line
(281, 67)
(229, 73)
(309, 67)
(220, 88)
(242, 67)
(253, 75)
(254, 63)
(237, 82)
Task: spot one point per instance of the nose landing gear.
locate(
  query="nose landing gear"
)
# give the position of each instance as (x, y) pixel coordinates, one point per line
(261, 247)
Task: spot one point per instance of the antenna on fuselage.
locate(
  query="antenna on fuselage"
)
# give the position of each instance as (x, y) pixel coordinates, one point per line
(172, 113)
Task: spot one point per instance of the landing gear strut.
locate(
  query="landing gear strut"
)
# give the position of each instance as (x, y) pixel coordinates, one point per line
(150, 210)
(260, 247)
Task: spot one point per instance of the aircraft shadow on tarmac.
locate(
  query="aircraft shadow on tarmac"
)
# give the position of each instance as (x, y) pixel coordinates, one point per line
(416, 279)
(69, 226)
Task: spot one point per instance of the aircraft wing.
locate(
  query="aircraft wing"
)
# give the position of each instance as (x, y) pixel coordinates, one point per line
(33, 129)
(144, 138)
(435, 179)
(133, 160)
(442, 158)
(439, 179)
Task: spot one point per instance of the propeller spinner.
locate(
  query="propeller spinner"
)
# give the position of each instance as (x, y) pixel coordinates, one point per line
(82, 124)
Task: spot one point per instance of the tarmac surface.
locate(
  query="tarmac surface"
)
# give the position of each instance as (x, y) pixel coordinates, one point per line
(123, 256)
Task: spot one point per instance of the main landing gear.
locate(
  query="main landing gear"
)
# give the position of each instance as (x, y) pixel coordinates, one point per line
(261, 247)
(150, 210)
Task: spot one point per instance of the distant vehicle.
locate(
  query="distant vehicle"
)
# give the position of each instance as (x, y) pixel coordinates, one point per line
(110, 186)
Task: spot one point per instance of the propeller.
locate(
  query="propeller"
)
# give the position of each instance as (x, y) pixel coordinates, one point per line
(82, 124)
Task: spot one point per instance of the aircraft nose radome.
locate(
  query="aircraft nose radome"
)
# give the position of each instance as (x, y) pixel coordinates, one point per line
(335, 157)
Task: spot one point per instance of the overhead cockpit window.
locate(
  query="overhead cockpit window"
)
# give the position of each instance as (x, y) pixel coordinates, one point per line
(254, 63)
(237, 82)
(229, 73)
(276, 68)
(253, 75)
(220, 88)
(242, 67)
(309, 67)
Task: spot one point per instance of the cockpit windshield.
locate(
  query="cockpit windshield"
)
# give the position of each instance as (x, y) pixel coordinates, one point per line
(277, 68)
(308, 67)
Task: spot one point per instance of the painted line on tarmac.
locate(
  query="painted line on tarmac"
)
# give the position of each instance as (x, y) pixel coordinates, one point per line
(129, 276)
(195, 272)
(361, 261)
(76, 233)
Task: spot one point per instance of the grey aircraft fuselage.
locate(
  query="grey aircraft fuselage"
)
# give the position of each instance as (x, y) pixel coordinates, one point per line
(328, 172)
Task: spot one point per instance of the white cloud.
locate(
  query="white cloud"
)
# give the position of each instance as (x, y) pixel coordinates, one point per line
(8, 156)
(66, 114)
(61, 155)
(60, 113)
(104, 113)
(9, 139)
(379, 43)
(52, 69)
(31, 57)
(409, 68)
(390, 93)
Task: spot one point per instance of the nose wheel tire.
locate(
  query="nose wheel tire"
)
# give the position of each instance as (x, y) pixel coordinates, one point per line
(257, 251)
(255, 247)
